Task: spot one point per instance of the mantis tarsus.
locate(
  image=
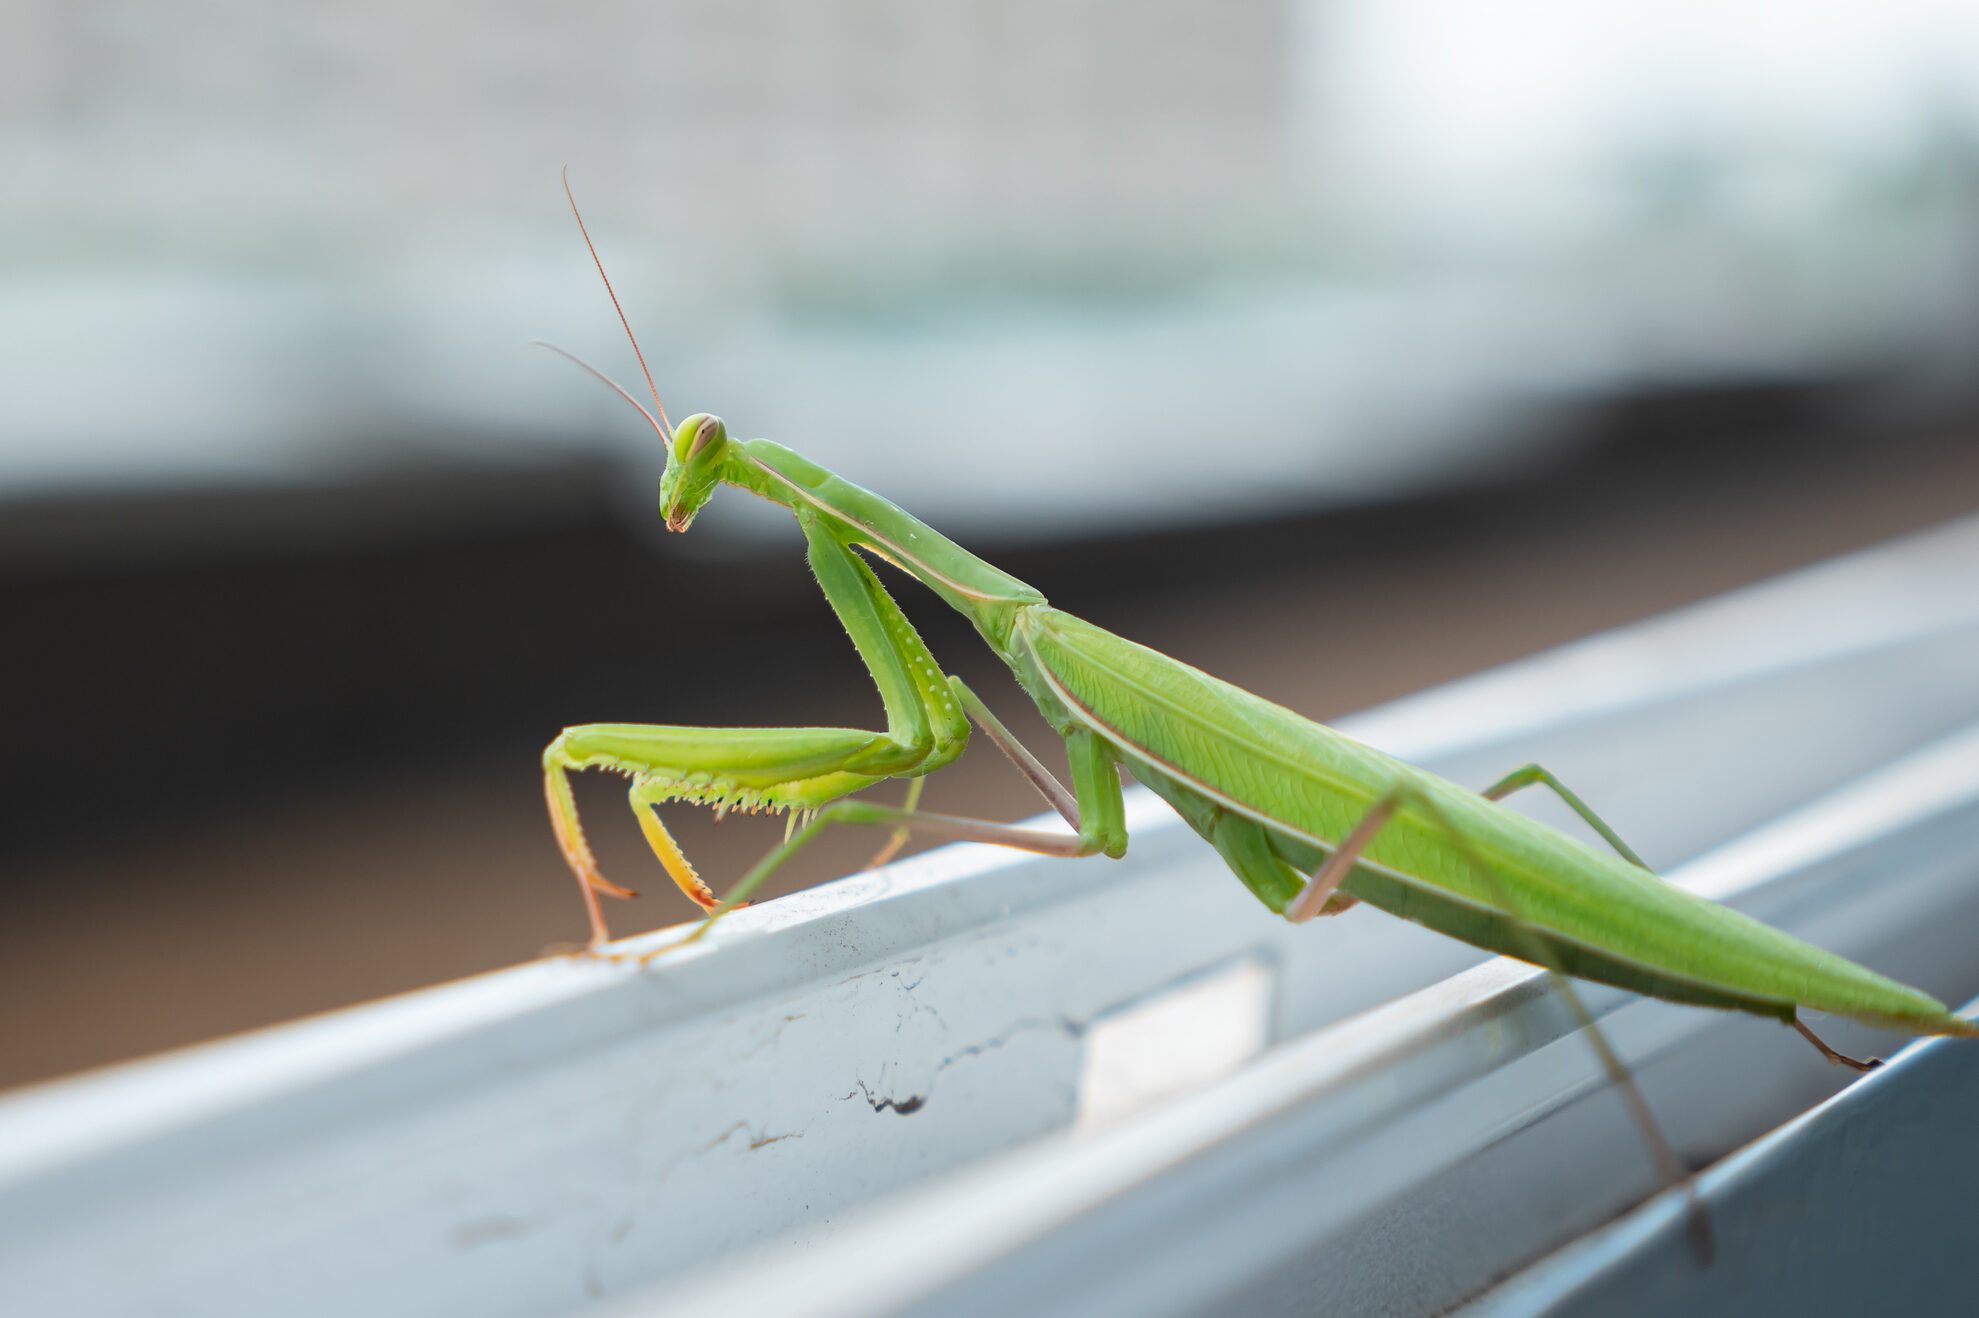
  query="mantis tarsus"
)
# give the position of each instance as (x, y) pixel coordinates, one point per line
(1309, 820)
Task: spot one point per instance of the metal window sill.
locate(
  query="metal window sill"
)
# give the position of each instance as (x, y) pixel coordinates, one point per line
(879, 1095)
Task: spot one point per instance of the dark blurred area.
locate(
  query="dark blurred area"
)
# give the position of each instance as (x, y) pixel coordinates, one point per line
(1339, 348)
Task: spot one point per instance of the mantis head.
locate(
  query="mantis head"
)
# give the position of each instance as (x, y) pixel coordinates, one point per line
(694, 468)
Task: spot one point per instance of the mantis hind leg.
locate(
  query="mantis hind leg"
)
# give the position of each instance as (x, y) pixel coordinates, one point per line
(1531, 775)
(1838, 1058)
(1535, 949)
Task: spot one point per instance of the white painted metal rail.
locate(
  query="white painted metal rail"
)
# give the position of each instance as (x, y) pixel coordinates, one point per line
(973, 1081)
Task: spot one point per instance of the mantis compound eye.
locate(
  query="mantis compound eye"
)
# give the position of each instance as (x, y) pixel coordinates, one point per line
(695, 434)
(710, 432)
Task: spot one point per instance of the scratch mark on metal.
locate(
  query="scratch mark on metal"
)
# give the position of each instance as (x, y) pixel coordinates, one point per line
(1066, 1025)
(481, 1230)
(756, 1140)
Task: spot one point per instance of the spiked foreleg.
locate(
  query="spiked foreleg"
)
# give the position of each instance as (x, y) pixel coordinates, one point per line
(767, 768)
(644, 796)
(727, 768)
(1098, 820)
(922, 713)
(570, 840)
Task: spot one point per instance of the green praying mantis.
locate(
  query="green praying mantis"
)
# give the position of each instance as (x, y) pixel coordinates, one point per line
(1309, 820)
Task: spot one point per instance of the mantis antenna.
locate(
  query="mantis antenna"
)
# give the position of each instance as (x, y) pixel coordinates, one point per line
(663, 425)
(603, 379)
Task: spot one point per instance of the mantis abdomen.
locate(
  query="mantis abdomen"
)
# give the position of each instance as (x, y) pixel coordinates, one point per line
(1185, 732)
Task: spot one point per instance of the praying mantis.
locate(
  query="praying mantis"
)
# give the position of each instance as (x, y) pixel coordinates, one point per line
(1309, 820)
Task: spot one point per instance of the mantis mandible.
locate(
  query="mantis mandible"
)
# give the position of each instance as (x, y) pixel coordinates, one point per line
(1308, 819)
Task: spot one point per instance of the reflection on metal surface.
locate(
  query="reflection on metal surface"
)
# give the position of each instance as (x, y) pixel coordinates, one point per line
(1859, 1206)
(1174, 1041)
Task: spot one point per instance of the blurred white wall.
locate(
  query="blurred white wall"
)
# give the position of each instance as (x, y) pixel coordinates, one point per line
(1526, 123)
(1386, 242)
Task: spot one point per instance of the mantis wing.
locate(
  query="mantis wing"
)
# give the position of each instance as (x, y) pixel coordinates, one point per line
(1309, 785)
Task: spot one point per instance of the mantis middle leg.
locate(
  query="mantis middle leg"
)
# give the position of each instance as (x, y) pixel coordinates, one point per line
(1027, 764)
(1531, 775)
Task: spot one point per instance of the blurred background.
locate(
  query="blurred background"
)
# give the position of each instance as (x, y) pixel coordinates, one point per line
(1338, 346)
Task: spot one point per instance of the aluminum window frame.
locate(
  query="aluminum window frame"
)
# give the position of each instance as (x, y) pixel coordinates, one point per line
(863, 1098)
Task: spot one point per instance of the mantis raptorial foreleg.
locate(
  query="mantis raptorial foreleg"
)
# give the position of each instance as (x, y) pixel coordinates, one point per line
(1098, 818)
(745, 768)
(774, 768)
(644, 796)
(1535, 949)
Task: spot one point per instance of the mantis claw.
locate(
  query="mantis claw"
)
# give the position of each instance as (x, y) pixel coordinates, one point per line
(610, 889)
(1834, 1056)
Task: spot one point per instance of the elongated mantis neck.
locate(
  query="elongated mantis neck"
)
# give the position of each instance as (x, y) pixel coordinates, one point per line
(970, 585)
